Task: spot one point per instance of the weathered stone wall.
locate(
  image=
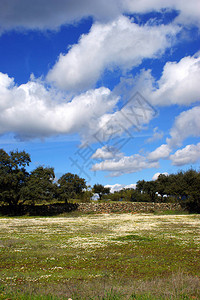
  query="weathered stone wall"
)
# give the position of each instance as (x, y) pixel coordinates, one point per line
(127, 207)
(55, 209)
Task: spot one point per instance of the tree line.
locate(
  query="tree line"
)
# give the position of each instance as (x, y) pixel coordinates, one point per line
(182, 187)
(18, 186)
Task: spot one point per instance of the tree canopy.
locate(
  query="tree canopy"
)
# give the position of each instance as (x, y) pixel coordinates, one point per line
(13, 176)
(18, 186)
(40, 185)
(70, 186)
(182, 187)
(100, 190)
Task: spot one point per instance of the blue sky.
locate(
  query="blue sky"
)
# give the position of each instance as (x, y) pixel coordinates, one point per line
(108, 90)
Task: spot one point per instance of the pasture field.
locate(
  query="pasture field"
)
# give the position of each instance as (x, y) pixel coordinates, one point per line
(100, 256)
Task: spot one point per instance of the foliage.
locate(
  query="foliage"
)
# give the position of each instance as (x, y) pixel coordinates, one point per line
(183, 187)
(86, 196)
(100, 190)
(188, 190)
(18, 186)
(13, 176)
(70, 186)
(140, 186)
(131, 195)
(162, 185)
(40, 185)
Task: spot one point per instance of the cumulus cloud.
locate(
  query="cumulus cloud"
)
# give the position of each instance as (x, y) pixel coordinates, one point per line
(31, 110)
(115, 187)
(155, 176)
(188, 155)
(120, 43)
(50, 14)
(188, 12)
(118, 187)
(125, 165)
(106, 152)
(130, 186)
(186, 125)
(162, 152)
(117, 128)
(179, 83)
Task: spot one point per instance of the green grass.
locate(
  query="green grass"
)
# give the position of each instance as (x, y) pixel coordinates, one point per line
(171, 212)
(100, 257)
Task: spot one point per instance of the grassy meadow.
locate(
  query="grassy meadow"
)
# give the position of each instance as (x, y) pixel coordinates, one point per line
(100, 256)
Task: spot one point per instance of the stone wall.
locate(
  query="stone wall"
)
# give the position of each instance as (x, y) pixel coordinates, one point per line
(127, 207)
(56, 209)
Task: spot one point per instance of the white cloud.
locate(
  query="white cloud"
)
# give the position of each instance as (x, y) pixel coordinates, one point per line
(31, 110)
(189, 12)
(127, 164)
(155, 176)
(179, 83)
(188, 155)
(51, 14)
(106, 152)
(118, 187)
(120, 43)
(156, 136)
(162, 152)
(115, 187)
(131, 186)
(122, 123)
(186, 125)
